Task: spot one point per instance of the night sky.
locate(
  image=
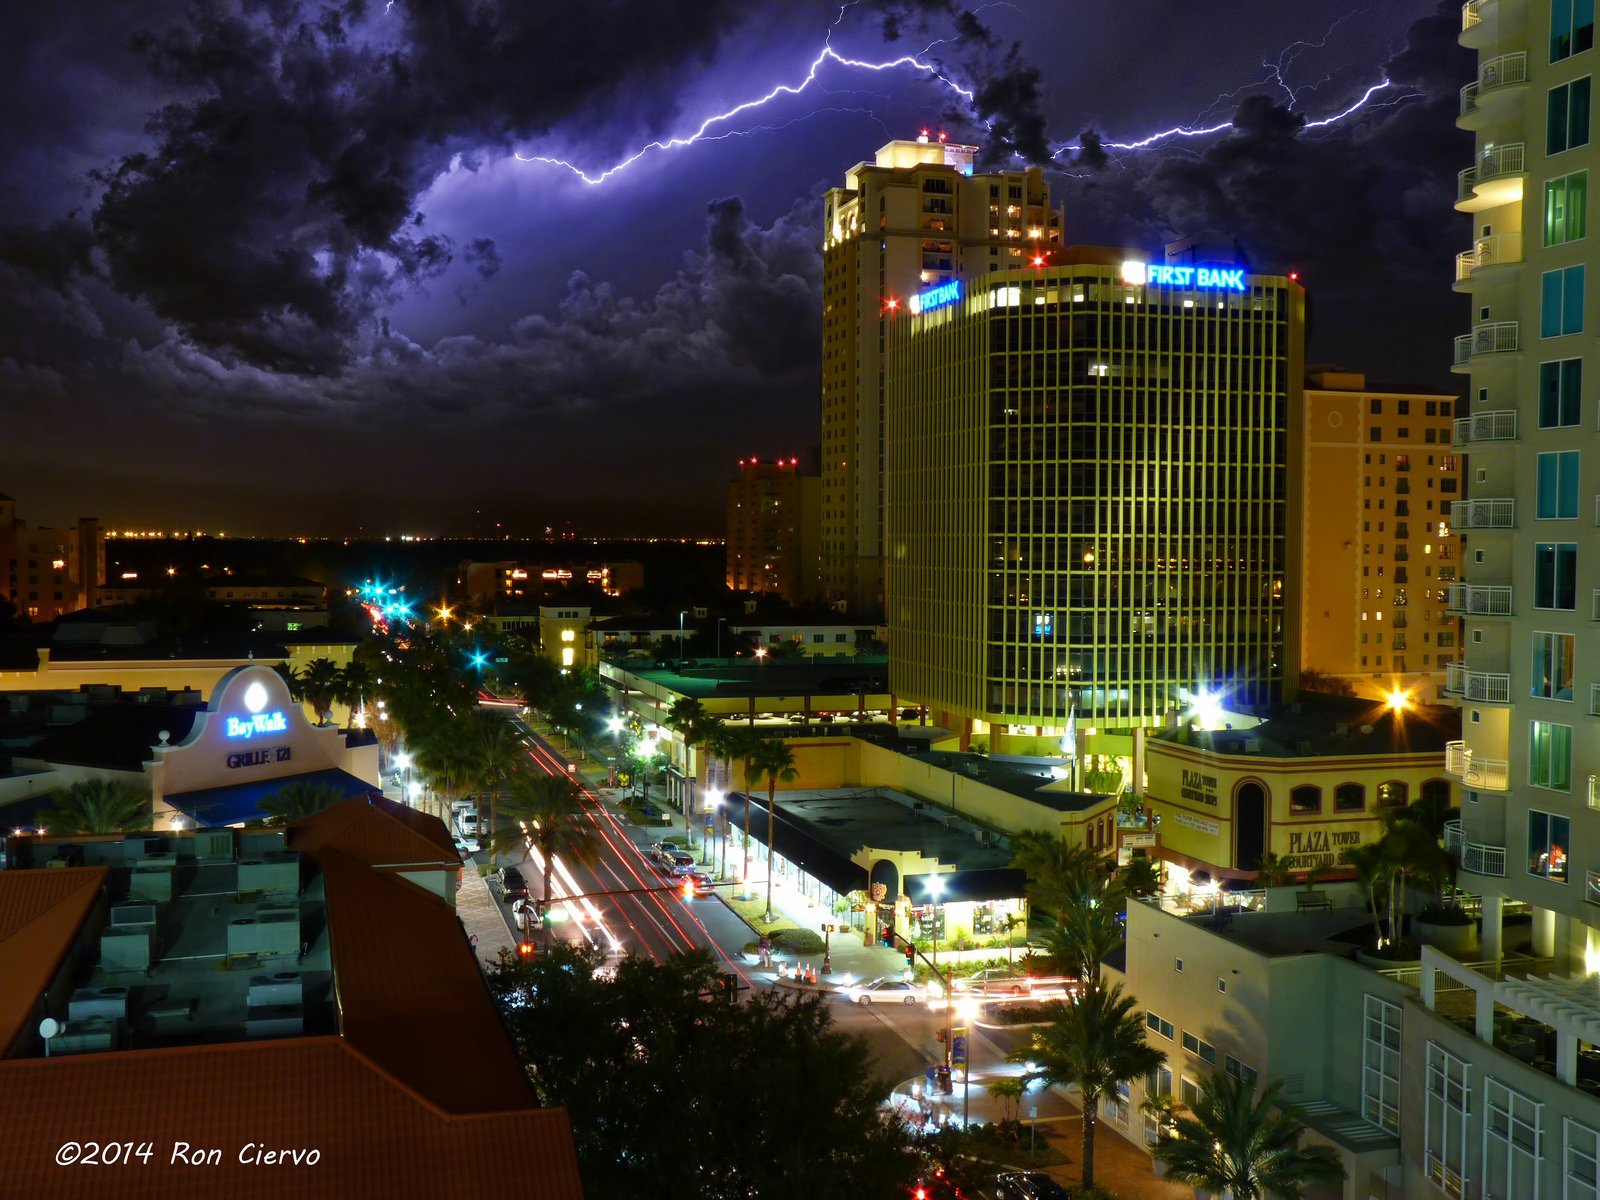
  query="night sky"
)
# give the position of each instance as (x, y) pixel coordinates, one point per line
(277, 267)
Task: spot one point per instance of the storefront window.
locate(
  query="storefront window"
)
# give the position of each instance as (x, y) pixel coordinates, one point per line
(1305, 799)
(1350, 797)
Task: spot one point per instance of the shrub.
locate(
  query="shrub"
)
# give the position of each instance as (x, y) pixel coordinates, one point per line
(796, 941)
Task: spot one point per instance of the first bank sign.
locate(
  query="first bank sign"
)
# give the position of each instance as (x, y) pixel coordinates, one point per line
(935, 297)
(259, 721)
(1227, 279)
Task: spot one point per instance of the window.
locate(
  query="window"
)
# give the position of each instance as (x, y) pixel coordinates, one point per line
(1119, 1107)
(1552, 666)
(1557, 495)
(1445, 1120)
(1567, 117)
(1157, 1083)
(1380, 1064)
(818, 637)
(1222, 986)
(1555, 569)
(1350, 797)
(1549, 835)
(1566, 203)
(1177, 965)
(1510, 1141)
(1238, 1070)
(1581, 1161)
(1404, 407)
(1393, 794)
(1559, 384)
(1188, 1091)
(1305, 799)
(1561, 302)
(1571, 28)
(1377, 407)
(1156, 1024)
(1550, 756)
(1200, 1048)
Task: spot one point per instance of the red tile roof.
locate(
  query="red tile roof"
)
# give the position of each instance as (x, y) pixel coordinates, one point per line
(40, 913)
(376, 832)
(411, 995)
(373, 1137)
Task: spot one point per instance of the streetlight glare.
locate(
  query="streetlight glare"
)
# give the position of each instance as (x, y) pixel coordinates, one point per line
(1398, 700)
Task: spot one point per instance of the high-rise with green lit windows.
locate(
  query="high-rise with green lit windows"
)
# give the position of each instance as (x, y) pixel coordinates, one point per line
(1087, 492)
(1497, 1115)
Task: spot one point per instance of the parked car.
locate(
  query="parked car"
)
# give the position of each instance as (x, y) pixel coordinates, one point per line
(885, 990)
(681, 863)
(1028, 1185)
(996, 981)
(661, 849)
(512, 885)
(461, 846)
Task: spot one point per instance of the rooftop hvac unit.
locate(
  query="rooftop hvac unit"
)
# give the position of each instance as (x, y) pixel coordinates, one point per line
(211, 845)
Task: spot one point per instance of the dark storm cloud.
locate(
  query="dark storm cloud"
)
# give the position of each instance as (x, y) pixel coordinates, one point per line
(483, 256)
(738, 321)
(1335, 201)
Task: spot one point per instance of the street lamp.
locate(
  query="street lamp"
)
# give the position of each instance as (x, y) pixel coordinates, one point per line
(969, 1015)
(403, 761)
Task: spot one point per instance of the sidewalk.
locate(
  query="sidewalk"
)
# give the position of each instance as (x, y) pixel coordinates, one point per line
(480, 914)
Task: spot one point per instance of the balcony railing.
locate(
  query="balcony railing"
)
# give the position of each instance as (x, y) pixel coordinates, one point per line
(1480, 859)
(1483, 514)
(1495, 337)
(1472, 14)
(1485, 687)
(1452, 829)
(1497, 426)
(1494, 163)
(1500, 71)
(1496, 250)
(1471, 600)
(1594, 699)
(1479, 773)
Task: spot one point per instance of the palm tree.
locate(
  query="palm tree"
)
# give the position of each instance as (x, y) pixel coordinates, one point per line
(1097, 1042)
(1273, 871)
(1141, 877)
(1245, 1145)
(688, 719)
(1057, 873)
(317, 685)
(296, 799)
(549, 811)
(494, 753)
(100, 806)
(775, 760)
(356, 683)
(742, 743)
(1089, 930)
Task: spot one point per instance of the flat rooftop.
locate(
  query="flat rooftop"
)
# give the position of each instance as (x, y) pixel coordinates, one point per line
(782, 677)
(1334, 931)
(846, 820)
(1319, 726)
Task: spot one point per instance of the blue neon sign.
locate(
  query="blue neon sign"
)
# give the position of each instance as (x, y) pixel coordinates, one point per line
(936, 297)
(267, 722)
(1223, 278)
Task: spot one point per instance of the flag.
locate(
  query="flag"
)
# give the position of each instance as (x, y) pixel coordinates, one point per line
(1069, 740)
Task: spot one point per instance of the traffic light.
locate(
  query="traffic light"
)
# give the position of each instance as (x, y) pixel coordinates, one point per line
(525, 949)
(886, 936)
(911, 954)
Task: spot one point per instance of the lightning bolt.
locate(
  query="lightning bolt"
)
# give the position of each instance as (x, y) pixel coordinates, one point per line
(703, 132)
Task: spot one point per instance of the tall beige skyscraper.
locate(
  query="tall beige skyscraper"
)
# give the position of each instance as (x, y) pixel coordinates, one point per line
(915, 217)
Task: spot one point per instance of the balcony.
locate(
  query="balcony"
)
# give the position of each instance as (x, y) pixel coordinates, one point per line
(1486, 24)
(1487, 253)
(1466, 599)
(1494, 180)
(1479, 773)
(1485, 341)
(1497, 426)
(1492, 96)
(1483, 514)
(1481, 687)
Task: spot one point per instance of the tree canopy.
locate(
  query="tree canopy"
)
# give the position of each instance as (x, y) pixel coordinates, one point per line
(671, 1090)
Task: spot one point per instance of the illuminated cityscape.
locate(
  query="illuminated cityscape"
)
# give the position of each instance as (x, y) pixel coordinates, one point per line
(778, 600)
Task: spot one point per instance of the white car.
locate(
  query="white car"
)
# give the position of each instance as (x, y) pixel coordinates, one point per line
(885, 990)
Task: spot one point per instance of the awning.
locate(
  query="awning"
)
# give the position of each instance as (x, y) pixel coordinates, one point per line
(798, 846)
(995, 883)
(240, 802)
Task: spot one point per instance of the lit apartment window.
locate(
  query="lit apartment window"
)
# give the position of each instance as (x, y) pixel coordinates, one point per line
(1549, 838)
(1566, 202)
(1553, 655)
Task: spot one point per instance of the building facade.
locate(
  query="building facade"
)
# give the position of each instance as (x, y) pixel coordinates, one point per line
(1088, 497)
(774, 527)
(1529, 678)
(1380, 589)
(48, 572)
(915, 217)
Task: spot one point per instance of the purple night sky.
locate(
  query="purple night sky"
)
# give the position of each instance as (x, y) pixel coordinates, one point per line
(277, 267)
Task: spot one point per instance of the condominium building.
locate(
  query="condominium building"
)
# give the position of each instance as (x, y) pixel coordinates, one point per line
(1379, 591)
(47, 572)
(1088, 497)
(773, 528)
(915, 217)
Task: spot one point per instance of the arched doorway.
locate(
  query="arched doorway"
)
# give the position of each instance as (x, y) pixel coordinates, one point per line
(1249, 825)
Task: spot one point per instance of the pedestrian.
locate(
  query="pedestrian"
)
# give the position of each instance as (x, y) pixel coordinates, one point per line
(472, 940)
